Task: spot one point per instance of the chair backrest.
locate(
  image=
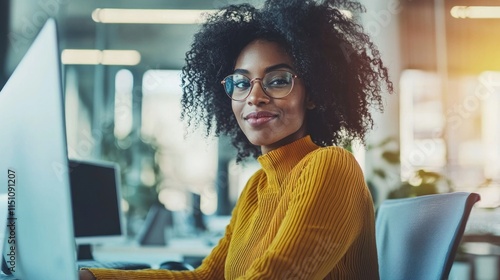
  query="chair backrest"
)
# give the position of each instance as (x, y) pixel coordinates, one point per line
(417, 238)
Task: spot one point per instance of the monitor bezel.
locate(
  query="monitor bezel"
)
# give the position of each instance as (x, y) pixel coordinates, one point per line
(104, 239)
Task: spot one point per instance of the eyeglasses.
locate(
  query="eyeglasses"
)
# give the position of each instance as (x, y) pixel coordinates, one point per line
(276, 84)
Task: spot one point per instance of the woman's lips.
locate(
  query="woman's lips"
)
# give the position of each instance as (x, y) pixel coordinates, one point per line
(259, 118)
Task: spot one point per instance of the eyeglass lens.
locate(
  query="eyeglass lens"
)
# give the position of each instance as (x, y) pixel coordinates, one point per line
(276, 84)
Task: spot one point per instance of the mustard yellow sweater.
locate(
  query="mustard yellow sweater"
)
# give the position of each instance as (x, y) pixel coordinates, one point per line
(307, 214)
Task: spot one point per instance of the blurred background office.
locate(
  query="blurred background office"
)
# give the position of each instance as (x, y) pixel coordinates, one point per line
(121, 66)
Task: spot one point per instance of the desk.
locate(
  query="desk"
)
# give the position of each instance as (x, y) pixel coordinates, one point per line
(176, 250)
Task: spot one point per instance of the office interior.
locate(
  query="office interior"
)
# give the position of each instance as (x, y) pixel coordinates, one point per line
(439, 131)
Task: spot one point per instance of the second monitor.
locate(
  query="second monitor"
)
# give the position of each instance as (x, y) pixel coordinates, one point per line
(96, 198)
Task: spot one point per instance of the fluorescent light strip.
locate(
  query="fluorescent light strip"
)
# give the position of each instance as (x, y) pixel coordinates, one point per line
(149, 16)
(475, 12)
(105, 57)
(157, 16)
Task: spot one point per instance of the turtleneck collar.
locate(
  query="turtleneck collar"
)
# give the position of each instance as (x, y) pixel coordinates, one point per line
(279, 162)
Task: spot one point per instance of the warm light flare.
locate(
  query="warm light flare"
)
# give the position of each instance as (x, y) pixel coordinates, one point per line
(475, 12)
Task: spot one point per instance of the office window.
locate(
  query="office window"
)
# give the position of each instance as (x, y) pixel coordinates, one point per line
(80, 140)
(187, 161)
(456, 133)
(422, 123)
(124, 83)
(490, 102)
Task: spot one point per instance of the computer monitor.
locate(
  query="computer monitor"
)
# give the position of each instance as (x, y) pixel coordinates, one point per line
(157, 222)
(33, 152)
(96, 197)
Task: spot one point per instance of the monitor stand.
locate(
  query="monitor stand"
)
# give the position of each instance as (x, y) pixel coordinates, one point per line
(84, 252)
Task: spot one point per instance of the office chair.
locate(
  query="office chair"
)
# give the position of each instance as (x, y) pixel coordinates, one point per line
(417, 238)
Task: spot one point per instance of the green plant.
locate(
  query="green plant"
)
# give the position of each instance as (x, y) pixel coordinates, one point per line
(131, 154)
(380, 173)
(422, 182)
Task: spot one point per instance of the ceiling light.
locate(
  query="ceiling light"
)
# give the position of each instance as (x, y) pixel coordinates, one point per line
(149, 16)
(475, 12)
(105, 57)
(158, 16)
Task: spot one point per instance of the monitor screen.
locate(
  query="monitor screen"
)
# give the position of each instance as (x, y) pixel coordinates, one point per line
(95, 193)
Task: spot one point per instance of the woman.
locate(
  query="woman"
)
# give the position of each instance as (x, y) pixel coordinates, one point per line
(301, 77)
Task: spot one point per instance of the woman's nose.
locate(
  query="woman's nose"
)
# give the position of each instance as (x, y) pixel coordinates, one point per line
(257, 94)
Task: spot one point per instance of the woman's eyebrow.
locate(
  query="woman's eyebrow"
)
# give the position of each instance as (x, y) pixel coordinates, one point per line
(278, 66)
(267, 70)
(241, 71)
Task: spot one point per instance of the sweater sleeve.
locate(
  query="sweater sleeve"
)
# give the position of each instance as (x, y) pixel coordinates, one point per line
(211, 268)
(324, 218)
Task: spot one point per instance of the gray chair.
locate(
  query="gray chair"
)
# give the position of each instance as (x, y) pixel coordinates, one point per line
(417, 238)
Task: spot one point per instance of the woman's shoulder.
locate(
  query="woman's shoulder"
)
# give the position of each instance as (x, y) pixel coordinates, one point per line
(254, 179)
(330, 152)
(336, 166)
(332, 158)
(334, 149)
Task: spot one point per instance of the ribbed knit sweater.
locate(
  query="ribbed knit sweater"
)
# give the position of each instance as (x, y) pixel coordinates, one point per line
(307, 214)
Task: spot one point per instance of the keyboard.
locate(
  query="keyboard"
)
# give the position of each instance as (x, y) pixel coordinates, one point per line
(112, 265)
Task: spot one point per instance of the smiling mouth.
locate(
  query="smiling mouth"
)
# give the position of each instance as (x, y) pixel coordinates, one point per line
(259, 118)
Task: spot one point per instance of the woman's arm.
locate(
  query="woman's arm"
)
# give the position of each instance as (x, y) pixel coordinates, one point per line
(211, 268)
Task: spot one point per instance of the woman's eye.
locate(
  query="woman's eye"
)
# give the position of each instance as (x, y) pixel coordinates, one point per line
(279, 81)
(241, 84)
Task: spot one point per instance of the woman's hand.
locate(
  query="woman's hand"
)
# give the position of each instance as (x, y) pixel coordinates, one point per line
(86, 275)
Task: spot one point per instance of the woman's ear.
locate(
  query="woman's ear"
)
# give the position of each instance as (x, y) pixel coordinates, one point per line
(310, 104)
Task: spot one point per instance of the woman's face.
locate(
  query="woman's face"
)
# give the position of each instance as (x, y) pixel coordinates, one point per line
(269, 122)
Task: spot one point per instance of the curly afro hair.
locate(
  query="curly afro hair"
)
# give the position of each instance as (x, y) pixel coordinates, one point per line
(339, 64)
